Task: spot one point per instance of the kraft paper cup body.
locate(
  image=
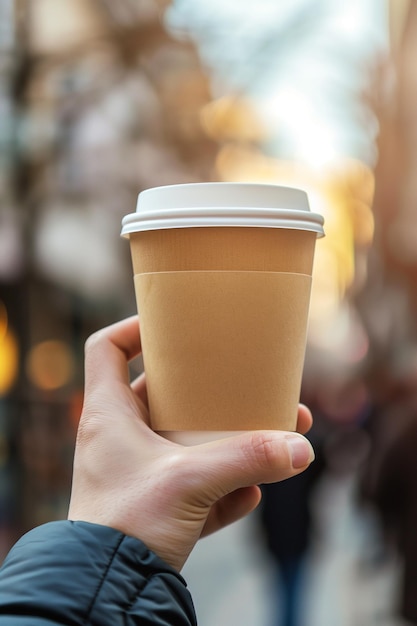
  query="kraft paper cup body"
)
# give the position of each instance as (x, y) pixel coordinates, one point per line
(222, 275)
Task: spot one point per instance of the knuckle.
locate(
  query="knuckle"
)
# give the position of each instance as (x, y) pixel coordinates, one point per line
(266, 452)
(93, 422)
(88, 429)
(93, 341)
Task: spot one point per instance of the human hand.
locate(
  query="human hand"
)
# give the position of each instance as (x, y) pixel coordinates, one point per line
(129, 478)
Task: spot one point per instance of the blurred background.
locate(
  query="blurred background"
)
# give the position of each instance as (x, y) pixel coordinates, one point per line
(101, 99)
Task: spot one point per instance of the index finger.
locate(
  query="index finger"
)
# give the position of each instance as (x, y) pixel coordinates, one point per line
(304, 420)
(108, 352)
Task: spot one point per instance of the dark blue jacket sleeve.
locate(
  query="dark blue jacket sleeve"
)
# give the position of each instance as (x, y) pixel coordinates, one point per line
(75, 573)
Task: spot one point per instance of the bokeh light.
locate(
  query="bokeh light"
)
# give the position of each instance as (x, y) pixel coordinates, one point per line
(3, 320)
(50, 365)
(9, 361)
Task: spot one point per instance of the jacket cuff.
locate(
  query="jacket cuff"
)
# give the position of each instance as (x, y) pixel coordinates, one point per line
(78, 572)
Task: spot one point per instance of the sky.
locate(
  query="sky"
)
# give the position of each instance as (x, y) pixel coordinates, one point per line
(6, 22)
(305, 63)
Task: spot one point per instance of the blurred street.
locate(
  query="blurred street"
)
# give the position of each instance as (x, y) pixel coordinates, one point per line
(350, 581)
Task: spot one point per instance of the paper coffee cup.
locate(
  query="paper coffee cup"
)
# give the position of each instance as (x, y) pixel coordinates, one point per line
(222, 275)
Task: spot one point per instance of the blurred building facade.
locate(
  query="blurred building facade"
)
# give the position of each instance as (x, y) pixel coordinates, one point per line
(98, 101)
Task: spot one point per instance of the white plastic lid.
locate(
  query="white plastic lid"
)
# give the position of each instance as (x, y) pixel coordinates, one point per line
(222, 204)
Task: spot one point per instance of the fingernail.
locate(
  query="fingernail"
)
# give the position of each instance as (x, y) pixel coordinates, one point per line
(301, 451)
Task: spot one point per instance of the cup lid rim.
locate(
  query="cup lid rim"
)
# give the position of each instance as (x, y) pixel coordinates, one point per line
(222, 204)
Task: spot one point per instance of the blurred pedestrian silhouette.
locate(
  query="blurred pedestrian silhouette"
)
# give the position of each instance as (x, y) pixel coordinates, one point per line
(286, 521)
(340, 406)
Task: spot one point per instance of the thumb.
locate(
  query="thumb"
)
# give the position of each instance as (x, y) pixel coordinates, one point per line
(249, 459)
